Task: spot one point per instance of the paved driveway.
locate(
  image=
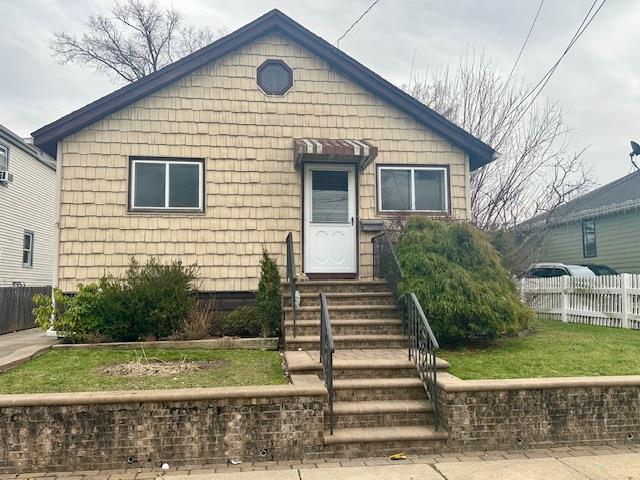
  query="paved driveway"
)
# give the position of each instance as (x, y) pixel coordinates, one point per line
(34, 337)
(18, 347)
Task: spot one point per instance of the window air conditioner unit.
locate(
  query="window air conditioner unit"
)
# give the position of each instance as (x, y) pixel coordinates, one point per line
(5, 177)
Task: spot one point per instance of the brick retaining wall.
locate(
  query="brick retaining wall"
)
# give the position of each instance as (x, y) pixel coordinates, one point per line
(196, 426)
(537, 413)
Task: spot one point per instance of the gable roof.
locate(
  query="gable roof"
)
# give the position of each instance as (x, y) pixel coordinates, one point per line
(273, 21)
(15, 140)
(616, 197)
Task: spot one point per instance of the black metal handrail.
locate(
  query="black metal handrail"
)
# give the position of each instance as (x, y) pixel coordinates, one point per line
(291, 277)
(422, 342)
(326, 354)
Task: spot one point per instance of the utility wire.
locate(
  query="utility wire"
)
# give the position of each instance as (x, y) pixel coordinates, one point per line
(524, 44)
(537, 89)
(356, 22)
(547, 76)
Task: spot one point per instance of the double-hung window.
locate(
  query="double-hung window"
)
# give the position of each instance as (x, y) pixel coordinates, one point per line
(589, 239)
(413, 189)
(166, 184)
(27, 249)
(4, 158)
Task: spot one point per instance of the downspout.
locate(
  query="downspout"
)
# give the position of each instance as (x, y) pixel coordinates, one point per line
(56, 235)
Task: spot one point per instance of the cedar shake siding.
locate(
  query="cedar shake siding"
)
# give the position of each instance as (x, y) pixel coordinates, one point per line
(252, 190)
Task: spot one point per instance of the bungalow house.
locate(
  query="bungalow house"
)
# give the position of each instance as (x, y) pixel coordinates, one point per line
(600, 227)
(266, 131)
(27, 212)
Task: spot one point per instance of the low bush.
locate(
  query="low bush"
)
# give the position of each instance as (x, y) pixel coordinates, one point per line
(269, 296)
(244, 321)
(202, 322)
(150, 301)
(458, 277)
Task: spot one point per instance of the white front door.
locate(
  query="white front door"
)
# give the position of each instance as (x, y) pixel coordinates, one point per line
(329, 218)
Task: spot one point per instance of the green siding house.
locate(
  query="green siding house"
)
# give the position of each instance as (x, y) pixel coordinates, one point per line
(600, 227)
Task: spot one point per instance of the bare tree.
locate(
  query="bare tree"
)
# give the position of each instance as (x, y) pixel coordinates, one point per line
(138, 38)
(535, 171)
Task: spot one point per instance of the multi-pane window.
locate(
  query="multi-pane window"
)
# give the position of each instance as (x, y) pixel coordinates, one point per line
(412, 189)
(589, 238)
(27, 249)
(4, 158)
(166, 184)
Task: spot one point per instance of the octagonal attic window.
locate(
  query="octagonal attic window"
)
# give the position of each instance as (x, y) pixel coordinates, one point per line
(275, 77)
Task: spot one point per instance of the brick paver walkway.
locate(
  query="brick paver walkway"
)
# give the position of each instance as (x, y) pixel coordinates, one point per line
(181, 470)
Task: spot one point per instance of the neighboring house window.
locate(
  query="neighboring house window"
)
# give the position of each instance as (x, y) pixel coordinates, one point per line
(274, 77)
(589, 238)
(4, 158)
(413, 189)
(166, 184)
(27, 249)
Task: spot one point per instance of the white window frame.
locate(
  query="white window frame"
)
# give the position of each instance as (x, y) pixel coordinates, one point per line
(167, 163)
(412, 185)
(4, 148)
(28, 233)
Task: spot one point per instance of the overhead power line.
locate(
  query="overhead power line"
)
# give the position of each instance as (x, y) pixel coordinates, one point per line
(524, 44)
(538, 87)
(356, 22)
(586, 21)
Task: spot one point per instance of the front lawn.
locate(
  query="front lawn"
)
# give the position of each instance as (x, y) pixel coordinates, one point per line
(93, 369)
(553, 349)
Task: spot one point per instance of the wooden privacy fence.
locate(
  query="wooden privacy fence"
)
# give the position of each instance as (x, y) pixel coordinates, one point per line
(609, 301)
(16, 307)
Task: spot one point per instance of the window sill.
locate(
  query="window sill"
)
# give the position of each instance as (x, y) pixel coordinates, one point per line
(408, 213)
(163, 211)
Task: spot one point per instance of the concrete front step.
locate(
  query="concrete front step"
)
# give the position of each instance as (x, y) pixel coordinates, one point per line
(362, 389)
(380, 435)
(348, 326)
(342, 286)
(374, 363)
(312, 342)
(389, 413)
(309, 363)
(340, 312)
(343, 298)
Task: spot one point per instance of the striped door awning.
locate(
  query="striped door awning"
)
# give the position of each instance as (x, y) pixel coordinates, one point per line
(334, 150)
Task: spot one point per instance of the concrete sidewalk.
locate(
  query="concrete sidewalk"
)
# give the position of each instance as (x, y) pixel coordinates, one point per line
(20, 346)
(604, 467)
(560, 463)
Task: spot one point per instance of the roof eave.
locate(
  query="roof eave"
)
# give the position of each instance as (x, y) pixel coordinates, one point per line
(47, 137)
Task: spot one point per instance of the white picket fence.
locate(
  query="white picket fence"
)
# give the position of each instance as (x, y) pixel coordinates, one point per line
(608, 301)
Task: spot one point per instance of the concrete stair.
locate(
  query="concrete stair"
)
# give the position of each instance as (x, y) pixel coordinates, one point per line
(380, 405)
(337, 286)
(380, 326)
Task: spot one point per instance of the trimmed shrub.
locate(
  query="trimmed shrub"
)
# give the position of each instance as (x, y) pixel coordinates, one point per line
(458, 277)
(244, 321)
(269, 296)
(149, 301)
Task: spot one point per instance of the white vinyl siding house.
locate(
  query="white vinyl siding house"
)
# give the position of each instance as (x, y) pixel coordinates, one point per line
(27, 213)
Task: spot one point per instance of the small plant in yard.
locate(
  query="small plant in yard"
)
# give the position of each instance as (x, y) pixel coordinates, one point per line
(459, 279)
(244, 321)
(203, 322)
(269, 296)
(151, 300)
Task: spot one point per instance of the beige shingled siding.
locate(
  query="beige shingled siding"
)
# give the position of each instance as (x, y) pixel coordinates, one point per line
(253, 191)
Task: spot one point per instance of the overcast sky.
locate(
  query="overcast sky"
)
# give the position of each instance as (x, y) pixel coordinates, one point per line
(597, 84)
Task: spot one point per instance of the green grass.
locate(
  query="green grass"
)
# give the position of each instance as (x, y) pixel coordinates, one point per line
(553, 349)
(80, 370)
